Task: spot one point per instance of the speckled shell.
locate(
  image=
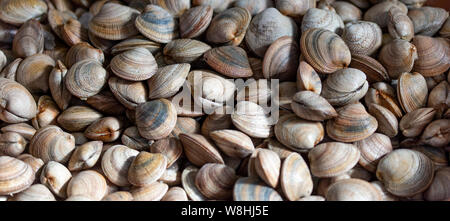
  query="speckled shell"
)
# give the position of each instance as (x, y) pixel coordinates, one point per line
(281, 59)
(427, 20)
(114, 22)
(362, 37)
(118, 196)
(323, 19)
(251, 119)
(233, 143)
(324, 50)
(252, 189)
(372, 149)
(199, 150)
(398, 57)
(332, 159)
(412, 91)
(87, 183)
(353, 190)
(387, 121)
(295, 178)
(188, 181)
(231, 61)
(17, 12)
(266, 27)
(195, 21)
(375, 72)
(229, 27)
(33, 72)
(86, 78)
(15, 175)
(156, 119)
(157, 24)
(52, 143)
(170, 147)
(168, 80)
(405, 172)
(413, 123)
(116, 162)
(146, 168)
(184, 51)
(345, 86)
(29, 39)
(433, 55)
(353, 123)
(85, 156)
(36, 192)
(310, 106)
(136, 64)
(215, 181)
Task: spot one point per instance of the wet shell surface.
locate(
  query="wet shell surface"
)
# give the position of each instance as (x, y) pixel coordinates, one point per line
(15, 175)
(252, 189)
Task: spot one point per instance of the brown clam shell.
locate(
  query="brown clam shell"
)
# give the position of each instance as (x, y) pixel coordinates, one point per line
(231, 61)
(199, 150)
(215, 181)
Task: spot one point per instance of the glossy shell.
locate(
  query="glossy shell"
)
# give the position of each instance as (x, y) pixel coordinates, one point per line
(146, 168)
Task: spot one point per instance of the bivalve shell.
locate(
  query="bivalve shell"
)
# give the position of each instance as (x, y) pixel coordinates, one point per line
(322, 18)
(433, 55)
(170, 147)
(168, 80)
(231, 61)
(229, 27)
(29, 39)
(251, 119)
(345, 86)
(17, 12)
(353, 190)
(362, 37)
(252, 189)
(295, 178)
(267, 166)
(137, 64)
(36, 192)
(15, 175)
(86, 78)
(412, 91)
(281, 59)
(156, 119)
(372, 149)
(116, 162)
(157, 24)
(215, 181)
(195, 21)
(152, 192)
(33, 72)
(146, 168)
(233, 143)
(88, 183)
(310, 106)
(85, 156)
(199, 150)
(56, 177)
(51, 143)
(184, 51)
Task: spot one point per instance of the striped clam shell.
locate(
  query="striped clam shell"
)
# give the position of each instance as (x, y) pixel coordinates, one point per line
(157, 24)
(33, 72)
(308, 79)
(372, 149)
(229, 27)
(295, 8)
(29, 39)
(107, 129)
(195, 21)
(433, 55)
(36, 192)
(72, 32)
(267, 165)
(188, 181)
(170, 147)
(412, 91)
(175, 194)
(353, 190)
(86, 78)
(233, 143)
(324, 50)
(217, 120)
(322, 18)
(440, 187)
(436, 154)
(251, 119)
(128, 93)
(310, 106)
(387, 121)
(185, 125)
(146, 168)
(88, 183)
(215, 181)
(15, 175)
(136, 64)
(184, 51)
(383, 94)
(281, 59)
(353, 123)
(168, 80)
(136, 42)
(85, 156)
(156, 119)
(152, 192)
(174, 7)
(375, 72)
(51, 143)
(57, 87)
(252, 189)
(295, 178)
(21, 105)
(200, 150)
(17, 12)
(116, 162)
(413, 123)
(118, 196)
(398, 57)
(427, 20)
(77, 118)
(333, 159)
(231, 61)
(114, 22)
(83, 51)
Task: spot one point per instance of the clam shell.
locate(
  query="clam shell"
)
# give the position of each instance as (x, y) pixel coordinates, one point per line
(372, 149)
(217, 120)
(12, 144)
(157, 24)
(252, 189)
(295, 178)
(156, 119)
(185, 125)
(88, 183)
(85, 156)
(298, 134)
(229, 27)
(267, 166)
(215, 181)
(56, 19)
(136, 64)
(188, 181)
(386, 196)
(439, 97)
(439, 188)
(29, 39)
(83, 51)
(412, 91)
(398, 57)
(47, 112)
(24, 129)
(86, 78)
(146, 168)
(106, 103)
(282, 151)
(15, 175)
(118, 196)
(57, 86)
(324, 50)
(387, 121)
(132, 139)
(17, 12)
(231, 61)
(433, 55)
(56, 177)
(129, 93)
(107, 129)
(255, 91)
(347, 11)
(7, 32)
(35, 163)
(36, 192)
(170, 147)
(353, 123)
(379, 13)
(176, 8)
(353, 190)
(116, 162)
(152, 192)
(216, 5)
(79, 198)
(413, 123)
(345, 86)
(400, 25)
(436, 134)
(287, 90)
(322, 18)
(233, 143)
(168, 80)
(104, 44)
(445, 30)
(72, 32)
(51, 143)
(184, 51)
(384, 95)
(172, 175)
(281, 59)
(195, 21)
(33, 72)
(427, 20)
(266, 27)
(310, 106)
(175, 194)
(78, 118)
(362, 37)
(375, 72)
(333, 159)
(251, 119)
(308, 79)
(436, 154)
(293, 8)
(405, 172)
(312, 198)
(199, 150)
(114, 22)
(254, 6)
(9, 70)
(136, 42)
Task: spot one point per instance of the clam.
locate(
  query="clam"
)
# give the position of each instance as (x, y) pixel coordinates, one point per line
(384, 95)
(56, 177)
(72, 32)
(128, 93)
(23, 129)
(79, 198)
(231, 61)
(347, 11)
(87, 183)
(308, 79)
(295, 178)
(436, 134)
(195, 21)
(324, 50)
(438, 98)
(104, 44)
(47, 112)
(398, 57)
(436, 154)
(36, 192)
(217, 120)
(229, 27)
(293, 8)
(267, 165)
(184, 51)
(146, 168)
(215, 181)
(17, 12)
(8, 70)
(176, 8)
(372, 149)
(353, 190)
(78, 118)
(132, 139)
(386, 196)
(433, 55)
(175, 194)
(310, 106)
(156, 119)
(412, 91)
(85, 156)
(152, 192)
(298, 134)
(439, 188)
(379, 13)
(345, 86)
(405, 172)
(29, 39)
(12, 144)
(114, 22)
(251, 119)
(400, 25)
(116, 162)
(15, 175)
(362, 37)
(185, 105)
(444, 32)
(118, 196)
(170, 147)
(255, 91)
(86, 78)
(168, 80)
(33, 72)
(333, 159)
(322, 19)
(137, 64)
(51, 143)
(281, 59)
(427, 20)
(200, 150)
(266, 27)
(7, 32)
(282, 151)
(254, 6)
(107, 129)
(185, 125)
(105, 102)
(252, 189)
(83, 51)
(157, 24)
(172, 175)
(375, 72)
(387, 121)
(188, 178)
(57, 86)
(233, 143)
(287, 90)
(56, 19)
(135, 42)
(312, 198)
